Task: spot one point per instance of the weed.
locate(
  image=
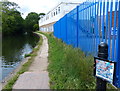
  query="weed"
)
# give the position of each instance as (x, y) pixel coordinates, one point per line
(68, 67)
(27, 55)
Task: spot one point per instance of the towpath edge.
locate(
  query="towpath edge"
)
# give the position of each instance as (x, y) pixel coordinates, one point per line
(37, 77)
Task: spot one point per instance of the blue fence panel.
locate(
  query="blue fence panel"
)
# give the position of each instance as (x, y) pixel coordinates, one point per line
(73, 28)
(55, 29)
(63, 29)
(117, 82)
(91, 23)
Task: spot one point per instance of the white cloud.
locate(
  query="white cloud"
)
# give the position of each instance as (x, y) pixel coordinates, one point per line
(38, 6)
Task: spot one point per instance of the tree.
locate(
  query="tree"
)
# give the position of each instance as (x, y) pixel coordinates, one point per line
(31, 19)
(12, 22)
(9, 5)
(41, 15)
(36, 27)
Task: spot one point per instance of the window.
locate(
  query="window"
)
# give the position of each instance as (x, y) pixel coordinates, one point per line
(54, 13)
(59, 9)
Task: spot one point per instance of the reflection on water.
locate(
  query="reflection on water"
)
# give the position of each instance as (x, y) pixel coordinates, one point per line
(14, 49)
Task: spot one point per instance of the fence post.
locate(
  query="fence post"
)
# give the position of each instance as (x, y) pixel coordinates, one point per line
(66, 29)
(60, 28)
(102, 53)
(77, 24)
(118, 51)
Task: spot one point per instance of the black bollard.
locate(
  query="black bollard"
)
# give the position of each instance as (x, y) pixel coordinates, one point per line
(102, 53)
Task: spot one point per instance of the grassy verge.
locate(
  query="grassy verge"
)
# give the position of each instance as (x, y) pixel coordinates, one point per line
(69, 68)
(24, 67)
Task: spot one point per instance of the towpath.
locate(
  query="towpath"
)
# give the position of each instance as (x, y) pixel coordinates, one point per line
(37, 76)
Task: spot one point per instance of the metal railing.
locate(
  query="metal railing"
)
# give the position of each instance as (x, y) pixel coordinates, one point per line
(90, 23)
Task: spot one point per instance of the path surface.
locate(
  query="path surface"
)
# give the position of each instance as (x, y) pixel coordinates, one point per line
(37, 76)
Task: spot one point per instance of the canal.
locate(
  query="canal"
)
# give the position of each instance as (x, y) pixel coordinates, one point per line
(14, 49)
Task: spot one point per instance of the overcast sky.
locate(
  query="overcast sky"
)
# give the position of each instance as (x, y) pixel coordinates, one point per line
(39, 6)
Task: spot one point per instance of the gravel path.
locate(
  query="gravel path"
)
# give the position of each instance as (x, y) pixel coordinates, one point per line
(37, 76)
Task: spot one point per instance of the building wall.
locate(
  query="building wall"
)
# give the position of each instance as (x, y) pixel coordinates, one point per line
(54, 15)
(113, 18)
(47, 28)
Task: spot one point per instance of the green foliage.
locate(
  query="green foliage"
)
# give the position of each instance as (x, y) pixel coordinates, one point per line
(0, 22)
(41, 15)
(69, 68)
(36, 27)
(27, 55)
(31, 19)
(9, 5)
(12, 22)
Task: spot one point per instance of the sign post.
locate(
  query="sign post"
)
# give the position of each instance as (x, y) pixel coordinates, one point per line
(102, 53)
(104, 69)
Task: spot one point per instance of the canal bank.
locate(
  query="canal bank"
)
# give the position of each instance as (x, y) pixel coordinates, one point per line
(13, 73)
(37, 75)
(15, 48)
(24, 66)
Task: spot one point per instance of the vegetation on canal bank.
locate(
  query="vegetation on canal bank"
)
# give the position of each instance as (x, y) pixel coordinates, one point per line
(12, 21)
(69, 68)
(24, 67)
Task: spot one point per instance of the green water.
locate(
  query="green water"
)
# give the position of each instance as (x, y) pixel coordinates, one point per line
(14, 49)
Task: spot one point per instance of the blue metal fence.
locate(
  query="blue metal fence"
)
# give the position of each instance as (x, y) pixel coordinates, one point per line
(91, 23)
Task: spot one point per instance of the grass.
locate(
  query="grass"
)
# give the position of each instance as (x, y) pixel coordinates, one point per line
(69, 68)
(27, 55)
(24, 67)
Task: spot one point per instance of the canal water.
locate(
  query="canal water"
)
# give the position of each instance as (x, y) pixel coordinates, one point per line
(14, 49)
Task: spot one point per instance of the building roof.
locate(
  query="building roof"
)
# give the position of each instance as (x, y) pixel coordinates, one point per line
(46, 21)
(60, 4)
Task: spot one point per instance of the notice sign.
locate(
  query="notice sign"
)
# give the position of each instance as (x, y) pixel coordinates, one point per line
(104, 69)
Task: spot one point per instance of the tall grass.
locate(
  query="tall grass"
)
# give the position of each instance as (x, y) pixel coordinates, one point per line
(69, 68)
